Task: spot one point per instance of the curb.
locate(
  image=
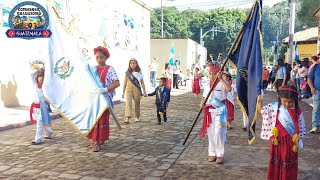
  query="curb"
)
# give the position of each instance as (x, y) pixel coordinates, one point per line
(22, 124)
(53, 117)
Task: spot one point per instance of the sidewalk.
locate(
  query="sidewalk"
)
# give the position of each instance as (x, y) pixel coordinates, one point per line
(18, 117)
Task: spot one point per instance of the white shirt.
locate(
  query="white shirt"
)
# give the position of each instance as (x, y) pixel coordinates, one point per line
(219, 92)
(138, 75)
(176, 69)
(154, 66)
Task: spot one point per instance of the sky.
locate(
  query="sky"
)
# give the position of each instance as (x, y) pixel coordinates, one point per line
(208, 4)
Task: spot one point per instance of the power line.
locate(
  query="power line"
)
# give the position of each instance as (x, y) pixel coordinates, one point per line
(214, 3)
(214, 6)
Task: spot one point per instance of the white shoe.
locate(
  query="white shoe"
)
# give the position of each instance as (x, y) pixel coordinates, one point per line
(137, 120)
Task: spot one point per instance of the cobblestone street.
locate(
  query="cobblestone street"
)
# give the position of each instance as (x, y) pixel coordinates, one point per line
(146, 150)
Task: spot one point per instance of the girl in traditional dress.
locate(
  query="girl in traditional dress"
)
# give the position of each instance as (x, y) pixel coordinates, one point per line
(196, 83)
(110, 81)
(215, 115)
(283, 125)
(39, 110)
(168, 75)
(132, 89)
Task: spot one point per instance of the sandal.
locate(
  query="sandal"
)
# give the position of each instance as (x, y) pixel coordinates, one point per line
(96, 148)
(220, 160)
(212, 158)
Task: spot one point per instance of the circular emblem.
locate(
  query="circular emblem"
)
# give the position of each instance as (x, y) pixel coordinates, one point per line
(28, 15)
(63, 68)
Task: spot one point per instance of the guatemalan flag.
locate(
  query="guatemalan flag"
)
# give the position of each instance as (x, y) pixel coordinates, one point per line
(296, 53)
(69, 84)
(172, 53)
(247, 56)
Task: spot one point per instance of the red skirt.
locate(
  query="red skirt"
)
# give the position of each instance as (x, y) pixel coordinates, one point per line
(230, 109)
(101, 130)
(196, 86)
(168, 84)
(283, 162)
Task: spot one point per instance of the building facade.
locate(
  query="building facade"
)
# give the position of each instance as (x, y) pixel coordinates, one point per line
(189, 51)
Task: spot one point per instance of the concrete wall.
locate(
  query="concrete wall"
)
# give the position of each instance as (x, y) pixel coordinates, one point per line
(16, 86)
(191, 52)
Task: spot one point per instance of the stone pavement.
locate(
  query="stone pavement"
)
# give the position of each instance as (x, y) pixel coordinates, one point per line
(146, 150)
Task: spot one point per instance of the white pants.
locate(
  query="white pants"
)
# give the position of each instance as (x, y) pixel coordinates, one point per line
(217, 136)
(40, 125)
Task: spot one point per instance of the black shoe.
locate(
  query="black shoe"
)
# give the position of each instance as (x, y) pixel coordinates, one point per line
(36, 142)
(165, 119)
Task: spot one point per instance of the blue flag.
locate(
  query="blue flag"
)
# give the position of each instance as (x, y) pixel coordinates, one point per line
(70, 84)
(296, 53)
(247, 57)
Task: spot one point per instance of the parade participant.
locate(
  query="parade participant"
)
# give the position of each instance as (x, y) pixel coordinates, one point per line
(162, 99)
(215, 115)
(39, 110)
(283, 125)
(196, 83)
(110, 81)
(168, 75)
(229, 102)
(132, 89)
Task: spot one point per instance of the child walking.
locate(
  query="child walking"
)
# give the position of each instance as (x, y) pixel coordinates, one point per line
(230, 98)
(162, 99)
(39, 110)
(283, 125)
(132, 89)
(215, 115)
(196, 82)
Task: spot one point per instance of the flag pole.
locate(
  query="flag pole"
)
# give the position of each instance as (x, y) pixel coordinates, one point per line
(221, 69)
(114, 118)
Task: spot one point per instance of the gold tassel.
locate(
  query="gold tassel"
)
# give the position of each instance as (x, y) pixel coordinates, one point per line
(295, 148)
(295, 138)
(275, 133)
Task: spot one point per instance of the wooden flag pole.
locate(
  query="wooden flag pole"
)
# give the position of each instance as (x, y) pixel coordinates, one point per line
(114, 118)
(221, 69)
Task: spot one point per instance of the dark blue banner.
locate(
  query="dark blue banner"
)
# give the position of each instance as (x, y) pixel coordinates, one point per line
(247, 57)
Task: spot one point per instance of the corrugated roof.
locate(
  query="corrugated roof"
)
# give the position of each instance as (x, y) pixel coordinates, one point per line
(310, 34)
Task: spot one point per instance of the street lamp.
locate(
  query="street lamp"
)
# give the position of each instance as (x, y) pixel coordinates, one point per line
(213, 30)
(162, 5)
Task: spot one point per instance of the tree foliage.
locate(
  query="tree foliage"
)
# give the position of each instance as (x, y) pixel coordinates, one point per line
(305, 13)
(187, 24)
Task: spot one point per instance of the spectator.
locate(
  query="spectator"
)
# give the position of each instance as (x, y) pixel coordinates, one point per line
(265, 76)
(314, 83)
(305, 89)
(153, 67)
(176, 72)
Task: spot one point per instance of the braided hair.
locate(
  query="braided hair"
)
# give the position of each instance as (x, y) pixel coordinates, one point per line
(291, 92)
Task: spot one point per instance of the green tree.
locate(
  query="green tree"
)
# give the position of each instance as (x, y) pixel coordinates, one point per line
(305, 13)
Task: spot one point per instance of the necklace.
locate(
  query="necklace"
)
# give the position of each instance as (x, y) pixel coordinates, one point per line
(102, 72)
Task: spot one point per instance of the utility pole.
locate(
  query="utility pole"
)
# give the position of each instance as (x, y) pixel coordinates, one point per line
(161, 20)
(291, 29)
